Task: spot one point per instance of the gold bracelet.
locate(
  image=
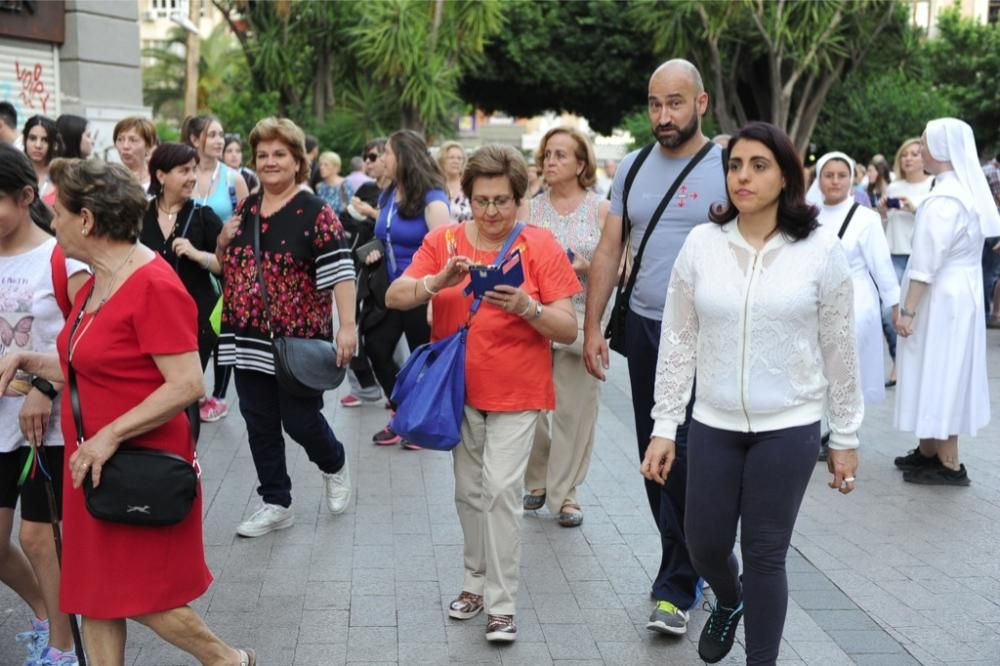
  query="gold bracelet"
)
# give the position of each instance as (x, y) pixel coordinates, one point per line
(428, 288)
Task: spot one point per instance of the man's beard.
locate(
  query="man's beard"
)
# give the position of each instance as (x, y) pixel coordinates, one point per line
(682, 135)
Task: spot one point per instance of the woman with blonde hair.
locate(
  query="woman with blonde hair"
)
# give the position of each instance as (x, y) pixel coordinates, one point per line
(451, 161)
(898, 208)
(574, 212)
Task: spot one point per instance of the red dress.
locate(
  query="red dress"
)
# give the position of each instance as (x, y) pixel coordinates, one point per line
(112, 570)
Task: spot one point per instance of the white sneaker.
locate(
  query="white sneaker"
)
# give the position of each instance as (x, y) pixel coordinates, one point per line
(266, 519)
(338, 490)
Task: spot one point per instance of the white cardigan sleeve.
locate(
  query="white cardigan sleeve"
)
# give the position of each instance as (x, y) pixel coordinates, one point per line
(678, 353)
(838, 346)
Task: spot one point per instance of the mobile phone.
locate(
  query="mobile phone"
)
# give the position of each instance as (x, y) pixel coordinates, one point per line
(893, 202)
(570, 255)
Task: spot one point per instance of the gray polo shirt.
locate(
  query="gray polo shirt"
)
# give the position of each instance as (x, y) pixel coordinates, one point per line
(704, 186)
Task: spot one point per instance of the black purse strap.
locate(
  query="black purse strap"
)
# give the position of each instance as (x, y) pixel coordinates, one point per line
(74, 392)
(255, 222)
(637, 262)
(847, 220)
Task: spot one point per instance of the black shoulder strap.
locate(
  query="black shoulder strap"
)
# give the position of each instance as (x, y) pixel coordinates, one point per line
(257, 256)
(688, 168)
(633, 171)
(847, 220)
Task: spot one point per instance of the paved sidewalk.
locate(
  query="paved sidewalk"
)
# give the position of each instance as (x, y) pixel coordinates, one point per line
(892, 574)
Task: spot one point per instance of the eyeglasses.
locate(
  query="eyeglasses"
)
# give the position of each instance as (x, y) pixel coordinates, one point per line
(371, 157)
(501, 203)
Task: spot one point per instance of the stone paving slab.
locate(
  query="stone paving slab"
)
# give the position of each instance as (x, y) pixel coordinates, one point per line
(892, 574)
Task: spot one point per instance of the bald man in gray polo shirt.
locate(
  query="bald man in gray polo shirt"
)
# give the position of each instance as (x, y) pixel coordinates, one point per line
(677, 101)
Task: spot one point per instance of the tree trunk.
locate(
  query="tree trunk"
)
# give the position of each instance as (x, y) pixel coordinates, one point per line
(810, 114)
(319, 82)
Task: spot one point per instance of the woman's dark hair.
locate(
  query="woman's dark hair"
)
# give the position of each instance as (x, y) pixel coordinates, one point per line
(109, 191)
(193, 129)
(17, 173)
(416, 171)
(51, 132)
(167, 156)
(796, 218)
(229, 138)
(377, 144)
(882, 166)
(71, 129)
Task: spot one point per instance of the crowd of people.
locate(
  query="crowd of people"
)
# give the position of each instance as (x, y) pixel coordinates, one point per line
(754, 301)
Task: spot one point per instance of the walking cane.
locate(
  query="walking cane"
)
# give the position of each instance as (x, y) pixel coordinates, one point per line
(51, 495)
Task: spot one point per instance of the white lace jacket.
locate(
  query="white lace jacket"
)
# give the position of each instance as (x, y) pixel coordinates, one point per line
(769, 334)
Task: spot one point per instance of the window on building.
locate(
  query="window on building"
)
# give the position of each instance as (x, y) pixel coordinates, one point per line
(166, 8)
(993, 12)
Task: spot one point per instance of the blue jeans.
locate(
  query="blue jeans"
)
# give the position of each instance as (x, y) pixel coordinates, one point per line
(676, 581)
(991, 271)
(266, 409)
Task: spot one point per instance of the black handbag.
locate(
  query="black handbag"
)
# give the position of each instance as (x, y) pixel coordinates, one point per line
(139, 486)
(615, 331)
(303, 367)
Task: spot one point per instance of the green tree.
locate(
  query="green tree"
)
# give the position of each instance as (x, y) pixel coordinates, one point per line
(589, 58)
(772, 60)
(417, 50)
(163, 80)
(875, 114)
(965, 62)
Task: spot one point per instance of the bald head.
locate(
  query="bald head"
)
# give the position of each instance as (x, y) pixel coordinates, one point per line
(675, 69)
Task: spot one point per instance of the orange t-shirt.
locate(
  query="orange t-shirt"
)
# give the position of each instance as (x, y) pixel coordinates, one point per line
(508, 364)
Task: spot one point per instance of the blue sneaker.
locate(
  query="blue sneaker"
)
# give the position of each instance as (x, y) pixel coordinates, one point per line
(56, 657)
(35, 641)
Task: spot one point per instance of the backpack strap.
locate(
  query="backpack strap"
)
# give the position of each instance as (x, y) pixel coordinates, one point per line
(629, 179)
(60, 281)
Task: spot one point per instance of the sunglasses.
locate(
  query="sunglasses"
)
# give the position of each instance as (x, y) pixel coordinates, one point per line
(371, 157)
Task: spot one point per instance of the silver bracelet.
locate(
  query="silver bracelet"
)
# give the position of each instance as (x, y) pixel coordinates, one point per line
(527, 308)
(903, 312)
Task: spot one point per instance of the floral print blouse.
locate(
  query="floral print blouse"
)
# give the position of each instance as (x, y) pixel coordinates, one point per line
(303, 255)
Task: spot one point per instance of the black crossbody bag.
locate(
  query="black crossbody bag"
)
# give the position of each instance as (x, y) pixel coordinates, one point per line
(615, 332)
(303, 367)
(139, 486)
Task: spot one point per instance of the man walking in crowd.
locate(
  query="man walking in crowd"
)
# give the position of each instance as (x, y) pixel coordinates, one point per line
(677, 101)
(357, 177)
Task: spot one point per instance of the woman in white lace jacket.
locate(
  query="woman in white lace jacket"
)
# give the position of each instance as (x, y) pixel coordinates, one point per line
(760, 308)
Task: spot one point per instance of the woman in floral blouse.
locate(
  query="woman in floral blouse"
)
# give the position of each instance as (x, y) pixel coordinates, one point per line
(303, 256)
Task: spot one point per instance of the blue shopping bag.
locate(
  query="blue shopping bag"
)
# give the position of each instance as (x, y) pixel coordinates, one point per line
(430, 388)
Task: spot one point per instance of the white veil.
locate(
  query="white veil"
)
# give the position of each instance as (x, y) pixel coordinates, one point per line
(951, 140)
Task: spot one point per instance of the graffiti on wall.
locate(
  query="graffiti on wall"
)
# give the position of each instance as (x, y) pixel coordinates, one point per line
(26, 90)
(32, 93)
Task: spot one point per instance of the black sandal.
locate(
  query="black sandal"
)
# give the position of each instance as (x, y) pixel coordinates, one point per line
(534, 502)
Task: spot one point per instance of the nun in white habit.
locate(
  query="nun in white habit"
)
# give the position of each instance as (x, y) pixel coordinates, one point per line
(861, 235)
(941, 355)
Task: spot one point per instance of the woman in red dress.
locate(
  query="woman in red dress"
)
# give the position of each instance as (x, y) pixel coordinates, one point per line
(135, 357)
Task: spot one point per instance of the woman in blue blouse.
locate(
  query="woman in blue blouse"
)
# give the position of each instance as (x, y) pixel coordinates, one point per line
(414, 203)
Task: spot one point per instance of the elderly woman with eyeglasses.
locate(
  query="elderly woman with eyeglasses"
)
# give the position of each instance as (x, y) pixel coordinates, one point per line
(508, 368)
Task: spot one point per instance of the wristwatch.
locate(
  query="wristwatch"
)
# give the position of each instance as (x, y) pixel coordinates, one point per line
(538, 311)
(45, 387)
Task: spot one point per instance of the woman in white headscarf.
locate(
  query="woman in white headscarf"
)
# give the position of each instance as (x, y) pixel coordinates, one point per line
(860, 232)
(943, 390)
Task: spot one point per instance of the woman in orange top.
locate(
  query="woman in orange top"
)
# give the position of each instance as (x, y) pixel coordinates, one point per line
(508, 367)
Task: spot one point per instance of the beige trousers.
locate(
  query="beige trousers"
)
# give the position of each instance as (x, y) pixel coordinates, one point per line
(560, 456)
(489, 470)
